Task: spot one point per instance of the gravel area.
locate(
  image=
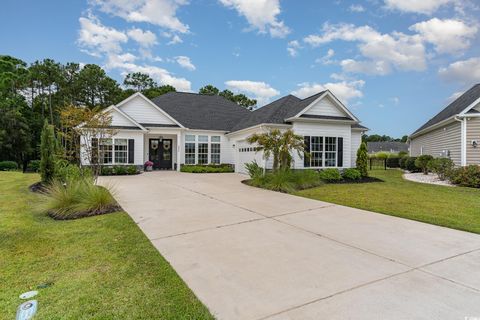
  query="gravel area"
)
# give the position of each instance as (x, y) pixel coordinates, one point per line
(431, 178)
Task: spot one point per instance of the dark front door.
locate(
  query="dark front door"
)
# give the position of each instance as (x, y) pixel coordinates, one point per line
(160, 153)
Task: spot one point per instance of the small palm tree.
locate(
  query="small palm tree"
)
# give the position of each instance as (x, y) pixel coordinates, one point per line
(278, 145)
(290, 142)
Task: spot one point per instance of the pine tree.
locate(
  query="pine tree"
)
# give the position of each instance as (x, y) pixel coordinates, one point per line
(362, 160)
(47, 153)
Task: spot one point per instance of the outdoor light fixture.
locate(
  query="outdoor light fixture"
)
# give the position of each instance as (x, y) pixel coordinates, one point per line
(474, 143)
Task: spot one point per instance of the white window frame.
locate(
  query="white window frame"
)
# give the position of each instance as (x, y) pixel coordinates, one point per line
(194, 142)
(324, 151)
(216, 143)
(113, 151)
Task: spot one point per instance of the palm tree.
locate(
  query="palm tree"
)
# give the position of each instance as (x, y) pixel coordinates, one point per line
(278, 145)
(290, 142)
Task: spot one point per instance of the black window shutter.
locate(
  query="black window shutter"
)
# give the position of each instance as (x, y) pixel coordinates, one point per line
(131, 150)
(306, 155)
(94, 155)
(340, 152)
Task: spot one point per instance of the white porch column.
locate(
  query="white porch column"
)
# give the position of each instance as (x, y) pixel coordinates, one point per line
(179, 149)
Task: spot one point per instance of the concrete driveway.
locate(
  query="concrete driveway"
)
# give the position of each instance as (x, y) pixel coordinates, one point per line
(249, 253)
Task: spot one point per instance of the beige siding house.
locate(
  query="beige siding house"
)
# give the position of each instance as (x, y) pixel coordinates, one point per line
(452, 133)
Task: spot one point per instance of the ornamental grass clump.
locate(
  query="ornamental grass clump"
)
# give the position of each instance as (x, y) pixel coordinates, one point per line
(78, 198)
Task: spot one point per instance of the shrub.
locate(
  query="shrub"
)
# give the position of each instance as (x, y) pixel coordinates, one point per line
(402, 154)
(466, 176)
(106, 171)
(132, 170)
(362, 160)
(441, 166)
(351, 174)
(78, 198)
(330, 175)
(207, 168)
(393, 161)
(381, 155)
(280, 180)
(119, 170)
(47, 153)
(410, 164)
(33, 166)
(402, 162)
(8, 165)
(254, 170)
(304, 179)
(422, 162)
(66, 171)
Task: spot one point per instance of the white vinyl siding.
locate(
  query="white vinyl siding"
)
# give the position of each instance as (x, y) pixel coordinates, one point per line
(143, 112)
(324, 130)
(325, 107)
(473, 133)
(356, 141)
(439, 142)
(119, 119)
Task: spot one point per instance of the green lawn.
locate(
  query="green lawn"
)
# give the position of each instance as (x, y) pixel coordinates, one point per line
(99, 267)
(456, 207)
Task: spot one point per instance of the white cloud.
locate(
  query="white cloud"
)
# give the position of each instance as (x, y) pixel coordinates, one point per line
(416, 6)
(463, 71)
(126, 65)
(96, 38)
(356, 8)
(158, 12)
(261, 91)
(343, 90)
(261, 15)
(448, 36)
(395, 100)
(404, 52)
(368, 67)
(293, 47)
(185, 62)
(144, 38)
(326, 59)
(175, 39)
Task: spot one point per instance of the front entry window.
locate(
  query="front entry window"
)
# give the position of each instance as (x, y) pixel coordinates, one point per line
(190, 149)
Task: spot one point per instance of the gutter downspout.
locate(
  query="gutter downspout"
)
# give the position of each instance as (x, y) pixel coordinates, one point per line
(463, 139)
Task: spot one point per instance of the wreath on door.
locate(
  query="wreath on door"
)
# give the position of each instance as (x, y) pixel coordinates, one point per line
(166, 145)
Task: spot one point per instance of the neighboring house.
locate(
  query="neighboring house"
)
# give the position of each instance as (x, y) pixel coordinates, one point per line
(387, 146)
(454, 132)
(185, 128)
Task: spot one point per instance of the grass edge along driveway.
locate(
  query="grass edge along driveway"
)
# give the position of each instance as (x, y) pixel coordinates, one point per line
(452, 207)
(100, 267)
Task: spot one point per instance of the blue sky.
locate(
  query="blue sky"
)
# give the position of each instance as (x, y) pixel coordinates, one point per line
(394, 63)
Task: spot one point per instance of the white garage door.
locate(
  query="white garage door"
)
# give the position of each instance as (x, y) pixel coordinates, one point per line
(246, 153)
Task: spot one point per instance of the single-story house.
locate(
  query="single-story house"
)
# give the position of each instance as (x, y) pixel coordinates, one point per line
(386, 146)
(180, 128)
(454, 132)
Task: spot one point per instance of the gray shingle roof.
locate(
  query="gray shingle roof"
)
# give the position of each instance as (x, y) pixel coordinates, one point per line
(204, 112)
(196, 111)
(455, 107)
(386, 146)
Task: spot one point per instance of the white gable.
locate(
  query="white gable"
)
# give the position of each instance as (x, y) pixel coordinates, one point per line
(326, 107)
(142, 111)
(119, 119)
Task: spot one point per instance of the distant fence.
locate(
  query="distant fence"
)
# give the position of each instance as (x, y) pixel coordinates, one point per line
(376, 164)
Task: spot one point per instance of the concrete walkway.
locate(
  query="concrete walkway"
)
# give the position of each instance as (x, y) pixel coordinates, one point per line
(249, 253)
